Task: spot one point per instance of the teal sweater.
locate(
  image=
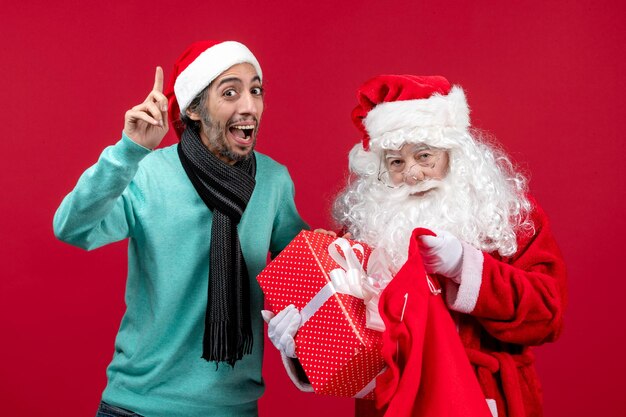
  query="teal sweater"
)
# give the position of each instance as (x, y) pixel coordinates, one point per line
(157, 369)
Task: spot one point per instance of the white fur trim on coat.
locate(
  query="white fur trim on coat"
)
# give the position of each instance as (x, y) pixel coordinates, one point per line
(449, 111)
(463, 297)
(208, 66)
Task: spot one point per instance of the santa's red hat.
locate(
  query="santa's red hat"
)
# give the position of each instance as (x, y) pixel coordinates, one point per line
(201, 63)
(393, 106)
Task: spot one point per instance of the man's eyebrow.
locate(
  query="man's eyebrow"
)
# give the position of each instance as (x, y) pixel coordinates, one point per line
(236, 80)
(228, 80)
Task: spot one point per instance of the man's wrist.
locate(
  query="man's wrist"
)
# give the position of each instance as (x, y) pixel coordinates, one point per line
(128, 138)
(128, 152)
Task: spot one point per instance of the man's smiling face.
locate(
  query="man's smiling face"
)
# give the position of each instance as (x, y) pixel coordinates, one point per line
(232, 113)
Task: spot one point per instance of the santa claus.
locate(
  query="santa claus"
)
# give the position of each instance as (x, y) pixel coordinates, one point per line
(420, 164)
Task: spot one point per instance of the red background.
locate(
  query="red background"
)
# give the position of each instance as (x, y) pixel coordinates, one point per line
(547, 78)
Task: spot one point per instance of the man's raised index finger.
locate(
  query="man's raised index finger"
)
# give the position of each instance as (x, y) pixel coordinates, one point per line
(158, 80)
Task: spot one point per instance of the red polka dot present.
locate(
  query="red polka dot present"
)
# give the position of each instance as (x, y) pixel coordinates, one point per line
(317, 273)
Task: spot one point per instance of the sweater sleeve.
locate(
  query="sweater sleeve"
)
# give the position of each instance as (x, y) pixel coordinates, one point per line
(287, 223)
(518, 300)
(99, 210)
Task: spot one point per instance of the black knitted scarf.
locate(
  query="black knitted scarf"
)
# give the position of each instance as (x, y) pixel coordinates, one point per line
(226, 190)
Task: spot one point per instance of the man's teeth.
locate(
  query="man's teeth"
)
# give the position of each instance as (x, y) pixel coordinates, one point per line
(243, 131)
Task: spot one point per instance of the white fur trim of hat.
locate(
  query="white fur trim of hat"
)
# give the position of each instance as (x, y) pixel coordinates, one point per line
(389, 122)
(208, 66)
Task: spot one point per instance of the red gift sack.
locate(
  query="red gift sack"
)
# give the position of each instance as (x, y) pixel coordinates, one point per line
(429, 374)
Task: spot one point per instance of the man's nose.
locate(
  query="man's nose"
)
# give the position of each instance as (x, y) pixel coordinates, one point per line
(414, 175)
(249, 104)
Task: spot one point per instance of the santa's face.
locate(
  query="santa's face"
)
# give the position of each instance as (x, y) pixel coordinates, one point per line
(415, 165)
(231, 116)
(466, 190)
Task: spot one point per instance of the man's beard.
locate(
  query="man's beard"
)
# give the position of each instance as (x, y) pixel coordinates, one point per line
(215, 132)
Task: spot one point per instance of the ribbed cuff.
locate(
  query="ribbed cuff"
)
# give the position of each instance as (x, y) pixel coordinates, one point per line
(133, 147)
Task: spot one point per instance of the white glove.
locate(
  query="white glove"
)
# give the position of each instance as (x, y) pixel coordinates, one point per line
(282, 328)
(442, 254)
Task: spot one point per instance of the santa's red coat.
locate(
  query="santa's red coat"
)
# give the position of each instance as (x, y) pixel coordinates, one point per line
(502, 308)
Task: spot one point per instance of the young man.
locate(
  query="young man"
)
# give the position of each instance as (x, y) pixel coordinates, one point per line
(503, 277)
(200, 217)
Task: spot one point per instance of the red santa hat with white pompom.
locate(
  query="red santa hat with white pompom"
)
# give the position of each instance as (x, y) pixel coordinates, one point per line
(401, 103)
(200, 64)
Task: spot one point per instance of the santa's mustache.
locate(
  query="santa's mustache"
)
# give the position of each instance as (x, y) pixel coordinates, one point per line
(418, 189)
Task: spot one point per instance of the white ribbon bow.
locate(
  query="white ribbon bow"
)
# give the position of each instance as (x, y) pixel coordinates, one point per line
(348, 278)
(352, 279)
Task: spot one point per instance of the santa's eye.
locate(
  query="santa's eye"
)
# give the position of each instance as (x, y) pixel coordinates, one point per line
(427, 157)
(395, 165)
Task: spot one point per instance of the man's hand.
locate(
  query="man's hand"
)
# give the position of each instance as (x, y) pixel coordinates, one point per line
(282, 328)
(146, 124)
(331, 233)
(442, 254)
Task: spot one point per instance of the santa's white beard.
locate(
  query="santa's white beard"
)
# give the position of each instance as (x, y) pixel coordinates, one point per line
(389, 216)
(482, 200)
(385, 218)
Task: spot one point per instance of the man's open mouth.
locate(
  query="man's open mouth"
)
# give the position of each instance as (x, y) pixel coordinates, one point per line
(243, 132)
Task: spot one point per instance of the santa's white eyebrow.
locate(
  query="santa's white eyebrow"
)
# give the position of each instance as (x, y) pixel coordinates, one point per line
(398, 154)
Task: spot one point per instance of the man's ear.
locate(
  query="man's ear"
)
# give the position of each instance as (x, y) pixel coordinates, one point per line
(192, 115)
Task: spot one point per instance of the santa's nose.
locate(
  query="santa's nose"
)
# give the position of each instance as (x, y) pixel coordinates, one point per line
(413, 175)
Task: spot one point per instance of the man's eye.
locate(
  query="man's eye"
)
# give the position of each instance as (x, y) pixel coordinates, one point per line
(424, 156)
(257, 91)
(229, 93)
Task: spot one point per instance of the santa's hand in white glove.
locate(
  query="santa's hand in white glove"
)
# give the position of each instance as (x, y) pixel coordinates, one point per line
(442, 254)
(282, 328)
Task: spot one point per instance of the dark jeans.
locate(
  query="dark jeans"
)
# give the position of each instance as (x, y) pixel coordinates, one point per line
(108, 410)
